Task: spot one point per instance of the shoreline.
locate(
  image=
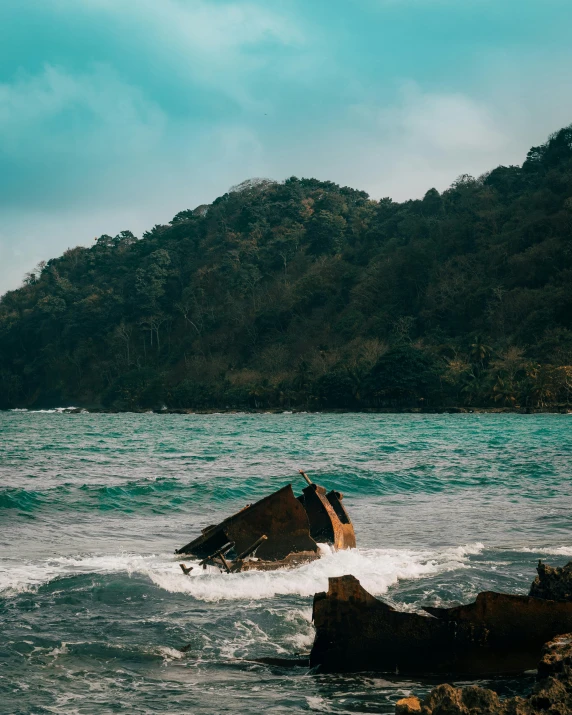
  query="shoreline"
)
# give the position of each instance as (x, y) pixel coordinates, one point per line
(555, 409)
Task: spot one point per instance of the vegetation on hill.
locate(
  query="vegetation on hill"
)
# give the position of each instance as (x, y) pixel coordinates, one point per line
(305, 294)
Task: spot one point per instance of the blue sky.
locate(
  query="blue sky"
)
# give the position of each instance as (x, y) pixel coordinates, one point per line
(117, 114)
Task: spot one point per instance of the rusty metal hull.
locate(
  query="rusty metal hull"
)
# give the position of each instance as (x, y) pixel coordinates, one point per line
(280, 516)
(291, 526)
(497, 634)
(291, 561)
(328, 519)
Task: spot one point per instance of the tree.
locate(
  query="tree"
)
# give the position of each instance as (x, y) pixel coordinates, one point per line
(271, 294)
(404, 375)
(325, 233)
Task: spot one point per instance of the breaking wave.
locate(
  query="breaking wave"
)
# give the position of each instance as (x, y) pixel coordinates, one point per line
(51, 411)
(377, 570)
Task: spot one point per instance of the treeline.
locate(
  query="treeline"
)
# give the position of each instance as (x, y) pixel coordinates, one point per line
(304, 294)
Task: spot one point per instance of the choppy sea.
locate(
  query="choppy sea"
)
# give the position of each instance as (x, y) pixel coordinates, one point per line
(95, 611)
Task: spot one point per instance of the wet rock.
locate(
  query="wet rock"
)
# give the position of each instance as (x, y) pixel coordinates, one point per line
(470, 700)
(556, 659)
(553, 582)
(496, 634)
(408, 706)
(551, 695)
(447, 700)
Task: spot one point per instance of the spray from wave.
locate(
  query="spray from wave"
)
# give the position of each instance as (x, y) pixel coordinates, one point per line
(377, 569)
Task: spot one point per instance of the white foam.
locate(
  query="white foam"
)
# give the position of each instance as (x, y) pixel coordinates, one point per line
(53, 411)
(169, 653)
(19, 576)
(548, 550)
(377, 570)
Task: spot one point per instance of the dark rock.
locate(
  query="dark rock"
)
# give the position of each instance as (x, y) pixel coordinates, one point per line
(553, 582)
(497, 634)
(551, 695)
(556, 660)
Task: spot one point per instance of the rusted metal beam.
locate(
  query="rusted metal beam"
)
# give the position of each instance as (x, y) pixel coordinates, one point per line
(251, 549)
(219, 554)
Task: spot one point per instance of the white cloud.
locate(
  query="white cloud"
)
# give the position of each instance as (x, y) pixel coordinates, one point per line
(116, 117)
(426, 139)
(446, 122)
(208, 26)
(210, 43)
(130, 162)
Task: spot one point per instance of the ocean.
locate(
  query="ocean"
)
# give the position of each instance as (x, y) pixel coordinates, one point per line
(95, 611)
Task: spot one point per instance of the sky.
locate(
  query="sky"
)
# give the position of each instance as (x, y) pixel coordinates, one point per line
(118, 114)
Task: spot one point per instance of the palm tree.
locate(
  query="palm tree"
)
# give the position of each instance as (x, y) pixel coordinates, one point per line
(480, 352)
(503, 391)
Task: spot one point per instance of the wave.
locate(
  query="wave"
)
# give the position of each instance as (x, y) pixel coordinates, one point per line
(547, 550)
(377, 569)
(160, 495)
(52, 411)
(21, 499)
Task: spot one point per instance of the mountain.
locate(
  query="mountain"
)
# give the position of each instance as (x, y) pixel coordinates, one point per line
(305, 294)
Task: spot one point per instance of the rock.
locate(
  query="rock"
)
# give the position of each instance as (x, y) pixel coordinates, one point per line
(447, 700)
(553, 582)
(408, 706)
(496, 634)
(551, 695)
(556, 658)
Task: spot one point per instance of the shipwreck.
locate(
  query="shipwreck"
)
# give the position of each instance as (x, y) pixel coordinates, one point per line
(278, 531)
(497, 634)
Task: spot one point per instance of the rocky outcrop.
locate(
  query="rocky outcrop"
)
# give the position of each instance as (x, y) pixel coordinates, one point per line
(496, 634)
(551, 695)
(553, 582)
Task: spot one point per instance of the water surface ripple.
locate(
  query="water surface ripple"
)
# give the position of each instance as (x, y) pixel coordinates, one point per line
(95, 610)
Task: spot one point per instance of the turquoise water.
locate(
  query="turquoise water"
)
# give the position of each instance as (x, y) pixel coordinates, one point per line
(94, 609)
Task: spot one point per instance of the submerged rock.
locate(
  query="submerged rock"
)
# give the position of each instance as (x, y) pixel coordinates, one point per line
(551, 695)
(553, 582)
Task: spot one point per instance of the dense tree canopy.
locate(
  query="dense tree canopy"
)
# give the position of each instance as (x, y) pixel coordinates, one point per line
(305, 294)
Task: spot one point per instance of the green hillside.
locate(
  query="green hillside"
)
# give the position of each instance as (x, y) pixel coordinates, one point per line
(305, 294)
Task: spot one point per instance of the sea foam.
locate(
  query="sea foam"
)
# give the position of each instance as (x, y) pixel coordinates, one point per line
(377, 569)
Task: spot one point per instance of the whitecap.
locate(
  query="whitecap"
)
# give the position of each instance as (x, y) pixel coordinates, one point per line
(376, 569)
(548, 550)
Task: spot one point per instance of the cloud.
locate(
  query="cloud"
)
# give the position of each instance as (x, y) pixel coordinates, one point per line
(117, 114)
(446, 122)
(59, 130)
(107, 103)
(219, 45)
(427, 138)
(206, 26)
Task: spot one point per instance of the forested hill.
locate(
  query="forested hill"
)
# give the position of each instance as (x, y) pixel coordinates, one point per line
(305, 294)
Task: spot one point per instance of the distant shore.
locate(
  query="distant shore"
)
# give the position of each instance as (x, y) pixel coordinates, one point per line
(555, 409)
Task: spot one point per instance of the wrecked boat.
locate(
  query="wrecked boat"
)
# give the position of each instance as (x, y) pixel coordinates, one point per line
(278, 531)
(497, 634)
